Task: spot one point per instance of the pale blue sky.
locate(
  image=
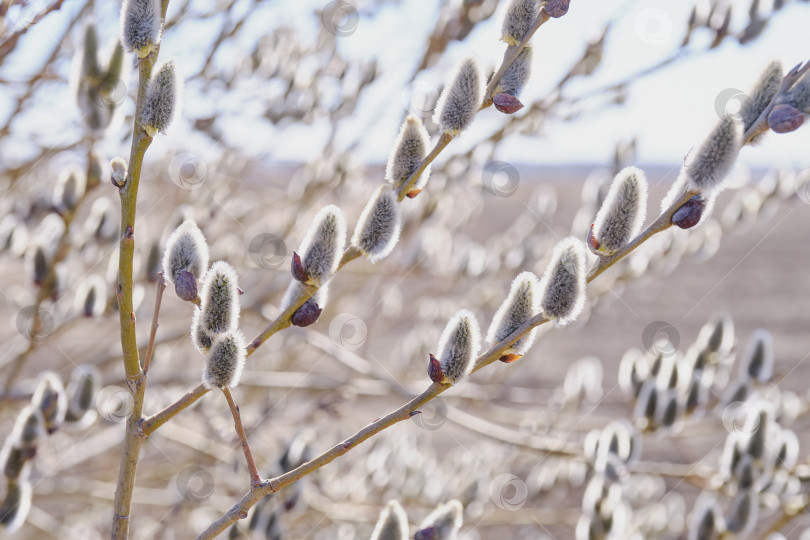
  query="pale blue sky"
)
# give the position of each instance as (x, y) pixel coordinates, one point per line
(669, 112)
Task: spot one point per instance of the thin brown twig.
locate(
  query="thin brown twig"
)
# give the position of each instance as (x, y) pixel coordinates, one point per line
(255, 479)
(150, 348)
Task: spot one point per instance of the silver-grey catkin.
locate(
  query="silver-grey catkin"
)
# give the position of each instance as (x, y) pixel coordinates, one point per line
(50, 398)
(323, 244)
(522, 304)
(445, 520)
(70, 185)
(459, 346)
(29, 427)
(563, 284)
(410, 148)
(622, 213)
(161, 103)
(708, 166)
(141, 25)
(757, 362)
(90, 67)
(461, 98)
(81, 390)
(201, 339)
(393, 523)
(517, 74)
(186, 249)
(38, 264)
(707, 521)
(379, 225)
(761, 94)
(742, 514)
(225, 362)
(518, 20)
(15, 507)
(219, 299)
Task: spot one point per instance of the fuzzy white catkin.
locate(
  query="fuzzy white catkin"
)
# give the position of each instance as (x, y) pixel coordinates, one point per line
(186, 249)
(161, 102)
(141, 25)
(459, 346)
(563, 284)
(393, 523)
(522, 304)
(50, 398)
(323, 244)
(225, 362)
(710, 163)
(446, 520)
(70, 186)
(118, 167)
(517, 74)
(409, 150)
(378, 228)
(622, 213)
(460, 99)
(761, 94)
(220, 299)
(518, 20)
(81, 390)
(201, 339)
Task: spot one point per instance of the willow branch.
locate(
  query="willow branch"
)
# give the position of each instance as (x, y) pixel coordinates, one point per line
(255, 479)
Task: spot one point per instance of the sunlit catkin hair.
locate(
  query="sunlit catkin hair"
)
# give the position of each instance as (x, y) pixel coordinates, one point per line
(50, 398)
(563, 284)
(378, 228)
(443, 523)
(460, 99)
(141, 26)
(710, 163)
(186, 250)
(522, 304)
(518, 20)
(323, 244)
(219, 300)
(459, 345)
(517, 75)
(161, 103)
(761, 94)
(393, 523)
(225, 361)
(622, 213)
(409, 150)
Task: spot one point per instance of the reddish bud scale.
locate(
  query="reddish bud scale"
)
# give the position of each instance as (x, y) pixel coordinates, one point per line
(185, 285)
(297, 268)
(435, 370)
(428, 533)
(785, 118)
(306, 315)
(688, 215)
(506, 103)
(509, 358)
(413, 193)
(593, 243)
(557, 8)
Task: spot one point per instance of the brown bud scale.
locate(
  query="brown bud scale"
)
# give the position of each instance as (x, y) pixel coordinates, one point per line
(506, 103)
